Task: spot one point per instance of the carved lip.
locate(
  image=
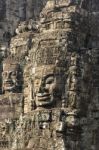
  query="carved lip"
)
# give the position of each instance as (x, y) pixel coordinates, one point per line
(43, 96)
(8, 83)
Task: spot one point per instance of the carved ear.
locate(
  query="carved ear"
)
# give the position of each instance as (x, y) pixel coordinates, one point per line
(33, 105)
(3, 91)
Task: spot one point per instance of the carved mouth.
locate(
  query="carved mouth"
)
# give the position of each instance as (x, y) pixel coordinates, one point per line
(8, 83)
(43, 96)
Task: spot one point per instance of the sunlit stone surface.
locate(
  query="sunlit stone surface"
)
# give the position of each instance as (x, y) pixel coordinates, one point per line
(49, 75)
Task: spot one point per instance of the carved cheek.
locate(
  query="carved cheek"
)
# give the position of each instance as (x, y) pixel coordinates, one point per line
(36, 88)
(13, 78)
(37, 83)
(52, 87)
(4, 75)
(7, 76)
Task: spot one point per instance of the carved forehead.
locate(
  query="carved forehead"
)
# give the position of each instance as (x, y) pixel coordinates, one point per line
(44, 70)
(9, 64)
(47, 70)
(10, 67)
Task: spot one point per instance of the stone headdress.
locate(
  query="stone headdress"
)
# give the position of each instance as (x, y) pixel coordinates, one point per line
(11, 61)
(50, 57)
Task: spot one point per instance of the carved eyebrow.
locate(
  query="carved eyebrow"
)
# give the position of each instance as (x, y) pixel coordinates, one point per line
(47, 76)
(37, 77)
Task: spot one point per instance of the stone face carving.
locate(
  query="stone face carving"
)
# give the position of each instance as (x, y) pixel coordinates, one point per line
(11, 76)
(3, 52)
(4, 137)
(48, 126)
(22, 27)
(11, 101)
(53, 112)
(52, 119)
(25, 26)
(48, 85)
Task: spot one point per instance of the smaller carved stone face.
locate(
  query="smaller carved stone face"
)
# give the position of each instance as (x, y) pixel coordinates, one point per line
(10, 76)
(47, 85)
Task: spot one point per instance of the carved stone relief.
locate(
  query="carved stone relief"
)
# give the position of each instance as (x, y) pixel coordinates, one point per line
(48, 103)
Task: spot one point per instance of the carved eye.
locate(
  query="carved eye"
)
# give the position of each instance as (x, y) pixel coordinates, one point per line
(4, 74)
(13, 73)
(36, 82)
(49, 80)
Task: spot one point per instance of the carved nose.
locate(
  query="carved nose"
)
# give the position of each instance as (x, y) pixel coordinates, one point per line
(42, 88)
(8, 76)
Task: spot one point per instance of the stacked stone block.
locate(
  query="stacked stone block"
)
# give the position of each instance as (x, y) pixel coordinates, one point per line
(64, 36)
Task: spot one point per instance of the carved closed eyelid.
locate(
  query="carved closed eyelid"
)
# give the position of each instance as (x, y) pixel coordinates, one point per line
(8, 72)
(13, 73)
(37, 82)
(48, 76)
(50, 80)
(5, 73)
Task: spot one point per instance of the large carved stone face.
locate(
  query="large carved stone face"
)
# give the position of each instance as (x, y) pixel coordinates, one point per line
(47, 86)
(10, 76)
